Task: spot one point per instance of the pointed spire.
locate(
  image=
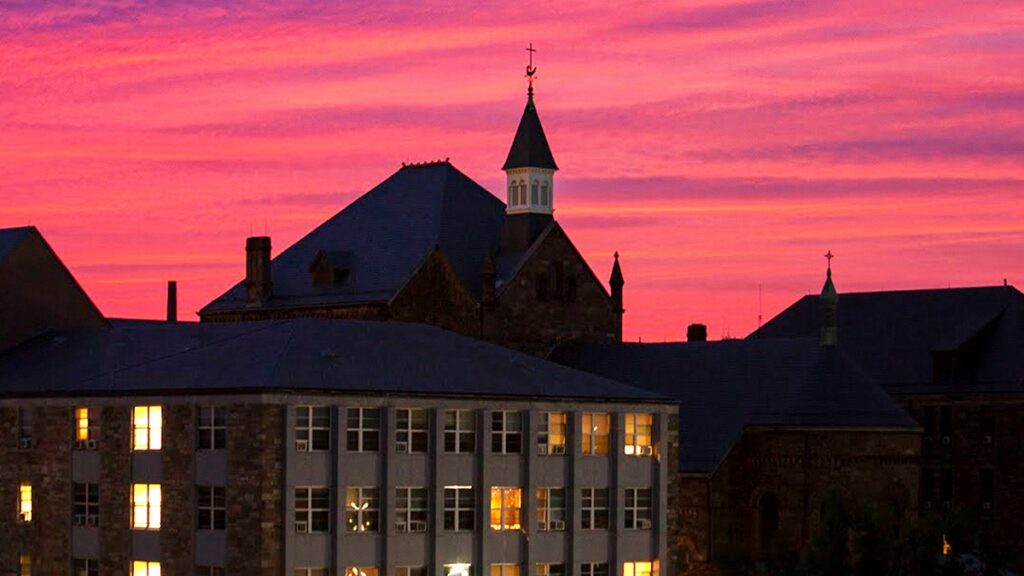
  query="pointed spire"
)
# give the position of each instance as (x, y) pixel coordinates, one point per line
(530, 145)
(829, 307)
(616, 282)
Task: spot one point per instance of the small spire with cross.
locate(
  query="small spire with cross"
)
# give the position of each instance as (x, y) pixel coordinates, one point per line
(531, 70)
(829, 256)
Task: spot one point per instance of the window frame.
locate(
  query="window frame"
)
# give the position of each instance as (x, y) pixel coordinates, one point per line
(406, 514)
(85, 502)
(505, 569)
(459, 496)
(545, 511)
(211, 506)
(147, 567)
(150, 507)
(509, 516)
(592, 514)
(312, 506)
(361, 433)
(546, 569)
(363, 510)
(590, 437)
(310, 427)
(25, 503)
(629, 568)
(634, 434)
(594, 569)
(458, 434)
(634, 512)
(147, 432)
(417, 440)
(211, 424)
(85, 567)
(547, 439)
(503, 438)
(86, 429)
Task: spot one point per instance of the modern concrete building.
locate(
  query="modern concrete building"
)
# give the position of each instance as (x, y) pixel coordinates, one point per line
(307, 447)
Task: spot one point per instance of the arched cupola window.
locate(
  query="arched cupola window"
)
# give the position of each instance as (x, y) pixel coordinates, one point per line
(513, 193)
(545, 198)
(522, 192)
(535, 193)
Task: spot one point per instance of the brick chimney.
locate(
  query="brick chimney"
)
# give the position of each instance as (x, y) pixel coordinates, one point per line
(257, 270)
(696, 333)
(172, 301)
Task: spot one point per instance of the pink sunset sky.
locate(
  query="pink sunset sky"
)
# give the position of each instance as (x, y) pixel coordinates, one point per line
(722, 147)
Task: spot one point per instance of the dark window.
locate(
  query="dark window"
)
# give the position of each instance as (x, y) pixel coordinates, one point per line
(946, 422)
(210, 571)
(86, 499)
(85, 567)
(768, 518)
(363, 434)
(594, 508)
(927, 488)
(212, 509)
(947, 486)
(313, 428)
(212, 428)
(25, 427)
(459, 508)
(411, 430)
(312, 509)
(506, 432)
(459, 431)
(986, 488)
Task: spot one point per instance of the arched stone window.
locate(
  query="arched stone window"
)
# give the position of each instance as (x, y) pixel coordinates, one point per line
(513, 193)
(522, 192)
(545, 198)
(767, 520)
(535, 193)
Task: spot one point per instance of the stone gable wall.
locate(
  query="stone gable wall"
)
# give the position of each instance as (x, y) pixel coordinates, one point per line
(255, 500)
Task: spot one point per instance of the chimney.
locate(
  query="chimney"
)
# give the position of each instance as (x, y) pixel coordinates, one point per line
(172, 301)
(257, 270)
(696, 333)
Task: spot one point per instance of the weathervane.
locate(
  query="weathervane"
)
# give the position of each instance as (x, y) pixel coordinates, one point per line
(531, 70)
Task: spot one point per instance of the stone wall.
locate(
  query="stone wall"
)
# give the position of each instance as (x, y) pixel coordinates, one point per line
(801, 469)
(523, 321)
(115, 490)
(435, 295)
(255, 500)
(13, 460)
(178, 505)
(51, 490)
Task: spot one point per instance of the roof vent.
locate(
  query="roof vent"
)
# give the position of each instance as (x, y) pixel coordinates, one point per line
(330, 268)
(696, 333)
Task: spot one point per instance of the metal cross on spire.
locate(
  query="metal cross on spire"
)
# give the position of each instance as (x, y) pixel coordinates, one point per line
(829, 256)
(531, 70)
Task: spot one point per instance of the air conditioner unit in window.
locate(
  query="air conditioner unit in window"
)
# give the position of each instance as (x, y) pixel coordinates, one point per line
(25, 443)
(78, 445)
(92, 520)
(542, 449)
(558, 525)
(558, 449)
(417, 526)
(90, 444)
(643, 524)
(400, 525)
(986, 506)
(645, 450)
(302, 527)
(78, 520)
(945, 440)
(302, 445)
(986, 439)
(402, 447)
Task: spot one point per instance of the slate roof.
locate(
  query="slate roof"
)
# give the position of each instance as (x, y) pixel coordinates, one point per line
(894, 335)
(303, 354)
(388, 232)
(11, 237)
(530, 145)
(723, 387)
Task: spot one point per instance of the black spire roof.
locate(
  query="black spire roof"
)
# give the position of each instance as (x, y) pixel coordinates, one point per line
(530, 147)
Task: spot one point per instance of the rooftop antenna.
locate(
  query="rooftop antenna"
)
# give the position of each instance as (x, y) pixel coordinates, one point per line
(531, 70)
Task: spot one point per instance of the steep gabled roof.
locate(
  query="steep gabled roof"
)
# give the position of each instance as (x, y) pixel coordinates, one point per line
(894, 335)
(139, 357)
(724, 387)
(11, 237)
(387, 233)
(530, 146)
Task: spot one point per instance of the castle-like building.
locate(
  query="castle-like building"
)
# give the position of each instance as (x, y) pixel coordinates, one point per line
(433, 383)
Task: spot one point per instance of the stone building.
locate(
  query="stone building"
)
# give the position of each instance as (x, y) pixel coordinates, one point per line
(954, 358)
(431, 245)
(769, 432)
(315, 447)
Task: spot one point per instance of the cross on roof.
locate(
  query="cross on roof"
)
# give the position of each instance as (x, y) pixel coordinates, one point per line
(530, 68)
(829, 256)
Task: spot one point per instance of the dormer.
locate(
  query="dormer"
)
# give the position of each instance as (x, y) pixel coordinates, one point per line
(530, 167)
(330, 268)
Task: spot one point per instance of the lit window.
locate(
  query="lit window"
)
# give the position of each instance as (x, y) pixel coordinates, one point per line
(410, 571)
(411, 509)
(147, 425)
(82, 431)
(458, 569)
(459, 508)
(146, 507)
(312, 509)
(210, 571)
(459, 432)
(311, 572)
(638, 508)
(212, 428)
(595, 509)
(211, 513)
(505, 505)
(86, 567)
(594, 569)
(362, 508)
(24, 565)
(86, 500)
(506, 432)
(25, 503)
(550, 570)
(411, 430)
(551, 436)
(504, 569)
(363, 429)
(638, 434)
(551, 508)
(143, 568)
(595, 432)
(312, 428)
(640, 569)
(361, 571)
